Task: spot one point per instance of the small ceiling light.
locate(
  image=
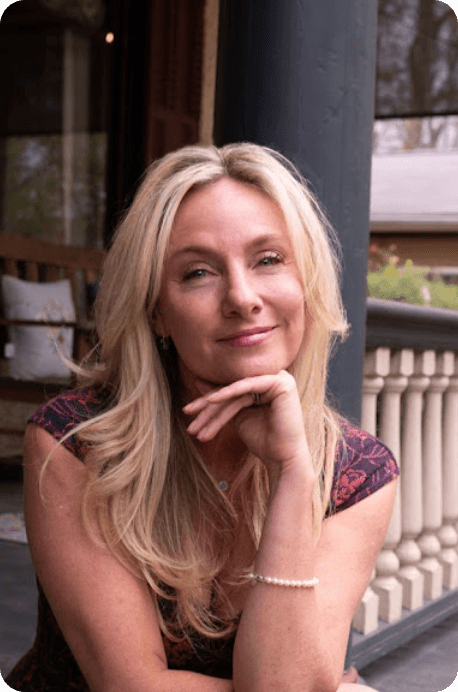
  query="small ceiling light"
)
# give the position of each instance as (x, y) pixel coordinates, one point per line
(109, 38)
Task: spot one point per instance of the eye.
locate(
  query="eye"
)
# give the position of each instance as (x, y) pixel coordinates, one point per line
(270, 259)
(198, 273)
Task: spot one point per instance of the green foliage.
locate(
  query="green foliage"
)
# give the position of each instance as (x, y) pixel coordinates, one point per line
(411, 284)
(36, 180)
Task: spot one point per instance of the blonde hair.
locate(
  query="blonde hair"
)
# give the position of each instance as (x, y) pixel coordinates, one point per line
(157, 504)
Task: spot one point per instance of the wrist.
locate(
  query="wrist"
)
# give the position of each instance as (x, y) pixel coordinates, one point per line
(297, 470)
(292, 482)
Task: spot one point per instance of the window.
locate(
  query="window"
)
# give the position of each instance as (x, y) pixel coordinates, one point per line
(54, 72)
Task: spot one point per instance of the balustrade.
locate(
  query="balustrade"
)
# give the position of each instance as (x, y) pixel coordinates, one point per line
(410, 401)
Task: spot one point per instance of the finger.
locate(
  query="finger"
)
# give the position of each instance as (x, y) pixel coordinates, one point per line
(250, 385)
(205, 411)
(217, 412)
(267, 386)
(231, 391)
(218, 423)
(206, 430)
(195, 406)
(203, 417)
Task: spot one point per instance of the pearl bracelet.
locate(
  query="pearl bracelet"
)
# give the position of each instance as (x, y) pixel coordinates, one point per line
(306, 584)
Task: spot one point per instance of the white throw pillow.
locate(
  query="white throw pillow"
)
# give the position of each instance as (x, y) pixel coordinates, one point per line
(36, 349)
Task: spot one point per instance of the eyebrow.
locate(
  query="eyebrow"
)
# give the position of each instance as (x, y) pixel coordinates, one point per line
(203, 249)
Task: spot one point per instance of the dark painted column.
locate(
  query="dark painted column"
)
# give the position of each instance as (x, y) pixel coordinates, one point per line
(298, 75)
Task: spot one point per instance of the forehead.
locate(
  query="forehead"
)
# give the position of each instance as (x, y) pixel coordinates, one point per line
(226, 209)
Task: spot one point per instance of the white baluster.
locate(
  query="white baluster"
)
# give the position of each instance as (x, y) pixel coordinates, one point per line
(447, 534)
(372, 386)
(450, 426)
(376, 367)
(366, 616)
(432, 484)
(408, 552)
(385, 585)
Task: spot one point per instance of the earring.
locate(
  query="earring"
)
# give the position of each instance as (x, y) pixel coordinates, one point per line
(164, 342)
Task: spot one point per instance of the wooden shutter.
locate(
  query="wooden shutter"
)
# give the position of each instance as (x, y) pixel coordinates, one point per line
(175, 79)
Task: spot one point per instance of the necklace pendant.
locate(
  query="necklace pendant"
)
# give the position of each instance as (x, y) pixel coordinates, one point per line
(223, 485)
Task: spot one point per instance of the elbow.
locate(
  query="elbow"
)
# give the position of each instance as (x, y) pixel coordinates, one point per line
(329, 681)
(323, 680)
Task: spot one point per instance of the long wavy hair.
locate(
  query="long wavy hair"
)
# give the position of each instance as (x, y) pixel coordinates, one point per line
(157, 503)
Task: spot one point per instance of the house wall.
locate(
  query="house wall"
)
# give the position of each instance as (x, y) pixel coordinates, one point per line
(424, 249)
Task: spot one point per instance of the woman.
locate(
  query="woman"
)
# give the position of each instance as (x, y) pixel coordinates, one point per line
(225, 522)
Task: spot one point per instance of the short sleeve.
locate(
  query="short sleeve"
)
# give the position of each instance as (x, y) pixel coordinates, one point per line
(363, 465)
(60, 415)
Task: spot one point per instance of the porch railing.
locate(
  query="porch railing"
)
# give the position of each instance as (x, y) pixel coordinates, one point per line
(410, 401)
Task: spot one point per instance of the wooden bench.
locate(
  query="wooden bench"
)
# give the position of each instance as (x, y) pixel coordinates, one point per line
(39, 261)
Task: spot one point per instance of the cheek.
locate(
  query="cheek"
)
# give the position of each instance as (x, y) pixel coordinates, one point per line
(292, 302)
(296, 314)
(189, 321)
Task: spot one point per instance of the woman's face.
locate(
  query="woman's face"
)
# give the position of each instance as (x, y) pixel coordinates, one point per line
(231, 296)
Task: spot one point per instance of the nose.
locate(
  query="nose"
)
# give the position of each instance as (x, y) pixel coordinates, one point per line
(241, 295)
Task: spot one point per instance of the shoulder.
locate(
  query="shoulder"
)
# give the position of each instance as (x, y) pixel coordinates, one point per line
(63, 413)
(363, 465)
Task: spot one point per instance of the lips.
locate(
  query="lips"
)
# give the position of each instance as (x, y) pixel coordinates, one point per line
(246, 333)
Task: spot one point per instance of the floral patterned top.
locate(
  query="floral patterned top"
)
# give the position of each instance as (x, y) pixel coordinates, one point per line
(363, 465)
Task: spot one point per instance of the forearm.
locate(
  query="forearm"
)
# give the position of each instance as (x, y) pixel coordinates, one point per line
(280, 644)
(164, 681)
(195, 682)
